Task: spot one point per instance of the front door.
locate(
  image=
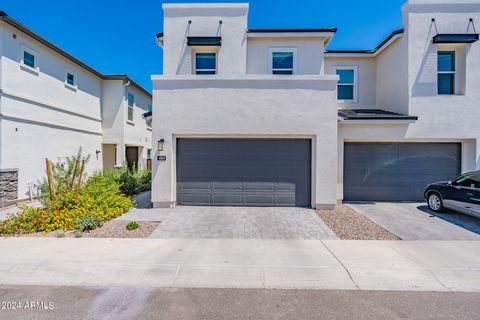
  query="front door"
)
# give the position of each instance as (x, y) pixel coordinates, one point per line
(132, 157)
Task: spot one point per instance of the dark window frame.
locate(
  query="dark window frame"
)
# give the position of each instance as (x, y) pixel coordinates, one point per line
(450, 73)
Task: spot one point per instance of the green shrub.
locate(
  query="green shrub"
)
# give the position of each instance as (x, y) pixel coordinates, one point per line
(132, 181)
(77, 234)
(88, 223)
(60, 233)
(132, 225)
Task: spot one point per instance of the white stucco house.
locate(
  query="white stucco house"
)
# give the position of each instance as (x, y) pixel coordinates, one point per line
(248, 117)
(51, 104)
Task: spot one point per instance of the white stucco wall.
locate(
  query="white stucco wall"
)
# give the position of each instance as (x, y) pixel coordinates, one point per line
(407, 82)
(41, 116)
(113, 111)
(367, 80)
(136, 132)
(392, 77)
(455, 116)
(309, 54)
(177, 56)
(116, 128)
(249, 106)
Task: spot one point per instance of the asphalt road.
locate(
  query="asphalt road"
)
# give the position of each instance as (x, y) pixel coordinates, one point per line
(41, 302)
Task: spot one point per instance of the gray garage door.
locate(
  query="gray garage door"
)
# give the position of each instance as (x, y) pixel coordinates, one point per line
(231, 172)
(397, 171)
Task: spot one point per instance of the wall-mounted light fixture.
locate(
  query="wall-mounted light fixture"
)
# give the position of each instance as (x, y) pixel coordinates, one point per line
(161, 144)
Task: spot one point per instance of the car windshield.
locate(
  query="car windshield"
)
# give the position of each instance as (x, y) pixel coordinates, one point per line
(468, 181)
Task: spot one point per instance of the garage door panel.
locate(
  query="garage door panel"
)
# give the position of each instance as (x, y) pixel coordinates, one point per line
(258, 172)
(397, 171)
(260, 199)
(227, 199)
(194, 198)
(227, 186)
(259, 186)
(195, 186)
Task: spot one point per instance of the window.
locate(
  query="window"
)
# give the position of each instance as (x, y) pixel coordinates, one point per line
(446, 72)
(149, 153)
(468, 181)
(205, 63)
(70, 79)
(283, 62)
(149, 108)
(29, 59)
(131, 102)
(347, 84)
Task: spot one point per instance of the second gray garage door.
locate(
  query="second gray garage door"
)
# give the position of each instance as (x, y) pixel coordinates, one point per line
(397, 171)
(232, 172)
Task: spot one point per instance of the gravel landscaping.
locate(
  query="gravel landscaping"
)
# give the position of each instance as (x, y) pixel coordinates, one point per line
(110, 229)
(117, 229)
(350, 225)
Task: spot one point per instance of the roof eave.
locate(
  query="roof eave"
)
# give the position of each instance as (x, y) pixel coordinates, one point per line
(367, 53)
(127, 79)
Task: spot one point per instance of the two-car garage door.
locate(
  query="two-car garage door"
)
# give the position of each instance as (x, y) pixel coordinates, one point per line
(244, 172)
(397, 171)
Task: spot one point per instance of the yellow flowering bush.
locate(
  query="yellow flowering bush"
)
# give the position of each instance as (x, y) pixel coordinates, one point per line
(99, 196)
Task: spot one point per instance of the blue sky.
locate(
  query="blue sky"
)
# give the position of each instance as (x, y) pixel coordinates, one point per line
(118, 36)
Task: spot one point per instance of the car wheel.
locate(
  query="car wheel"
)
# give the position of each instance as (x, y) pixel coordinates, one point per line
(435, 202)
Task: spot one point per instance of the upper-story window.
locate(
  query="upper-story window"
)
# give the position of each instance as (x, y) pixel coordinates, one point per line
(205, 63)
(347, 84)
(149, 108)
(29, 59)
(71, 79)
(130, 103)
(283, 60)
(446, 72)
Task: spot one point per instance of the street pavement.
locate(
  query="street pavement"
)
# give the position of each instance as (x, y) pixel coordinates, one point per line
(122, 303)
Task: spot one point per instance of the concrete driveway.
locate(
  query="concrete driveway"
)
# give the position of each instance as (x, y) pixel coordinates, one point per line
(234, 223)
(414, 221)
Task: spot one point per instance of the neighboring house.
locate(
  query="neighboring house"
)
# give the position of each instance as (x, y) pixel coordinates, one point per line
(271, 118)
(51, 104)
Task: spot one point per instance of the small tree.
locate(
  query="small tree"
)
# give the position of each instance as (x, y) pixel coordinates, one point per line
(65, 179)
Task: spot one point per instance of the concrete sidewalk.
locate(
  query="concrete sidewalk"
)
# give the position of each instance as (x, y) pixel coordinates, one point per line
(248, 263)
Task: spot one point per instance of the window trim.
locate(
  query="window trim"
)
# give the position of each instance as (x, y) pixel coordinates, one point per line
(355, 82)
(130, 121)
(454, 73)
(36, 56)
(68, 85)
(271, 50)
(195, 70)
